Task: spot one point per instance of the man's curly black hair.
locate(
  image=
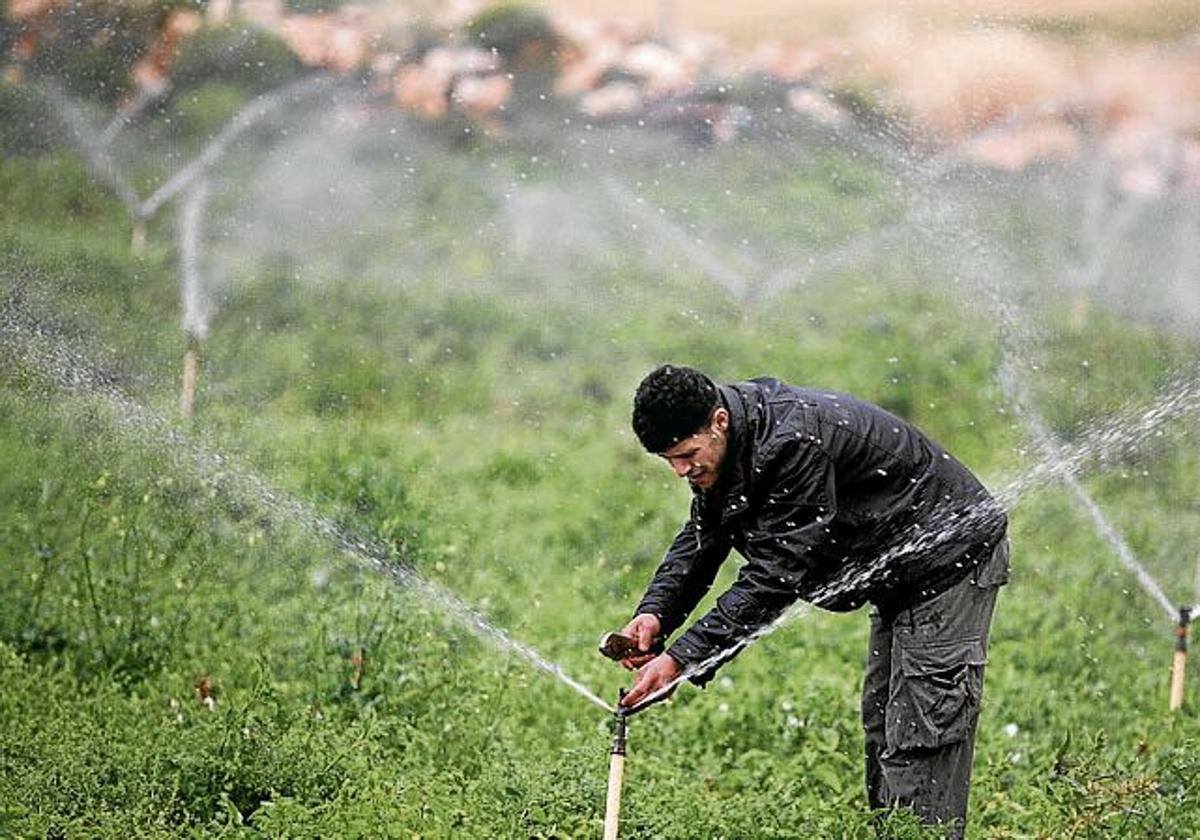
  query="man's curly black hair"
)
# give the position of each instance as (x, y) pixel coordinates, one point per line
(673, 402)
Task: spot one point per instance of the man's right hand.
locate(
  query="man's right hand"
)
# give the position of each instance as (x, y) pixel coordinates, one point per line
(644, 629)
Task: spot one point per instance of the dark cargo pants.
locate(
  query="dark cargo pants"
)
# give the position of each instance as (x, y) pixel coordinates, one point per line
(921, 695)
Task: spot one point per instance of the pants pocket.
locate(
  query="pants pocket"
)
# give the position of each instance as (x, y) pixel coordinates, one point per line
(935, 694)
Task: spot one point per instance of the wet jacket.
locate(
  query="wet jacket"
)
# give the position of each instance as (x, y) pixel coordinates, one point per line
(831, 500)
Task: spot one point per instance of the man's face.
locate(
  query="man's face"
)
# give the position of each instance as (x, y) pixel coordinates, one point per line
(699, 458)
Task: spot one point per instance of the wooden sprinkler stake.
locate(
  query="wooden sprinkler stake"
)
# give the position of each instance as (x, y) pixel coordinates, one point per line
(137, 238)
(1179, 666)
(616, 774)
(191, 366)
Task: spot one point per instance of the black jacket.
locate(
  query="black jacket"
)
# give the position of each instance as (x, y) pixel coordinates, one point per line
(831, 500)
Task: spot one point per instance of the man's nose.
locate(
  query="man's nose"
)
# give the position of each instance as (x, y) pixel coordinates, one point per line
(681, 466)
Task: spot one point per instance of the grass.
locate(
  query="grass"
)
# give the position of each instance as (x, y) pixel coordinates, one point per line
(472, 417)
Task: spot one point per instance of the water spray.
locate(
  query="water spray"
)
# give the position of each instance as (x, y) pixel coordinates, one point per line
(1179, 664)
(616, 769)
(245, 119)
(95, 144)
(33, 344)
(191, 290)
(1042, 436)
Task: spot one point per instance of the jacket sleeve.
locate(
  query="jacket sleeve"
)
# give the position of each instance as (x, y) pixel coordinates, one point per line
(686, 573)
(788, 523)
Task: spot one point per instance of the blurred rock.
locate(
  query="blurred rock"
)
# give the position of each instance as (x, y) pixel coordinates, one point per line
(338, 42)
(481, 95)
(265, 13)
(616, 98)
(152, 71)
(1023, 145)
(28, 9)
(817, 106)
(790, 62)
(661, 70)
(426, 87)
(999, 96)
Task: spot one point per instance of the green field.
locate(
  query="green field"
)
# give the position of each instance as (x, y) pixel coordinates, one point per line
(433, 343)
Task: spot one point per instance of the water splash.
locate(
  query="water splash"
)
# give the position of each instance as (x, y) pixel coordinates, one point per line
(35, 346)
(196, 308)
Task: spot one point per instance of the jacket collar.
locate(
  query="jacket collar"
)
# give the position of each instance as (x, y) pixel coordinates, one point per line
(730, 496)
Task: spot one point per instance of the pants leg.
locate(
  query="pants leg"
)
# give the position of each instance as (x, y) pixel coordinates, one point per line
(931, 703)
(876, 687)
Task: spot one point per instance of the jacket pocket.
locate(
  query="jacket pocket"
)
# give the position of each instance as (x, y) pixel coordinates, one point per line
(935, 694)
(995, 570)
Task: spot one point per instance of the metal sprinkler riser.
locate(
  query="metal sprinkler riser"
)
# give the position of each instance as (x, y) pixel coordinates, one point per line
(616, 771)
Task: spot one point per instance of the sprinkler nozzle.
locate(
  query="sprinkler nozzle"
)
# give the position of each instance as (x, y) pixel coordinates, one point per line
(1181, 630)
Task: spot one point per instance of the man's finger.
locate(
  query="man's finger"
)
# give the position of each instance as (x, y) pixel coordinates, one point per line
(640, 692)
(634, 695)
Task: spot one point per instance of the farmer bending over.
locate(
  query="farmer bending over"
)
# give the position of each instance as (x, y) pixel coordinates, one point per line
(837, 502)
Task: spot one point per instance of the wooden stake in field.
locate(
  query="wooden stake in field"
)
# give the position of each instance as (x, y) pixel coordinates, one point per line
(616, 775)
(1179, 666)
(191, 367)
(137, 238)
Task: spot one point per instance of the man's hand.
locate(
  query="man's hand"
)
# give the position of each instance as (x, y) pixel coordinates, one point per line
(661, 671)
(643, 630)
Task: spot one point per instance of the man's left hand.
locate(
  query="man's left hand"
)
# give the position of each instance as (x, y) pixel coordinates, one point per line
(660, 671)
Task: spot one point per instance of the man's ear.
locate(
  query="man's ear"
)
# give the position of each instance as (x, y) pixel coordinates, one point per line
(720, 419)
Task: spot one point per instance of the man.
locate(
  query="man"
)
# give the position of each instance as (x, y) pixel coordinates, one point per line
(837, 502)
